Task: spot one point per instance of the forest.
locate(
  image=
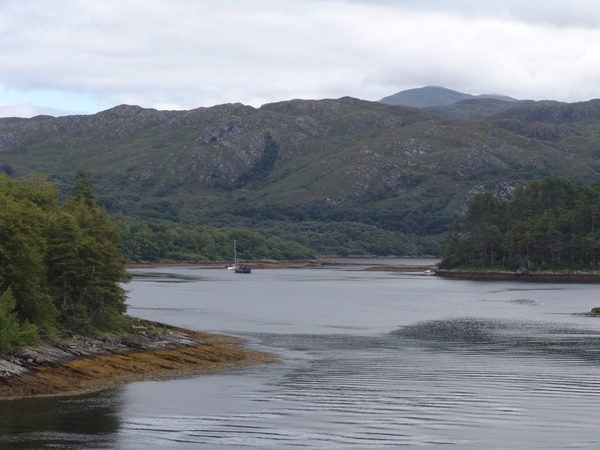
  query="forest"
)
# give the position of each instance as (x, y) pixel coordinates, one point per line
(151, 240)
(154, 240)
(60, 264)
(547, 225)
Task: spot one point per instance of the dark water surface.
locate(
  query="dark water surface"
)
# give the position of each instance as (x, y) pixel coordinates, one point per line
(369, 360)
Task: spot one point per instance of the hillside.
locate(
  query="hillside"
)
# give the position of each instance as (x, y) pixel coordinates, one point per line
(306, 161)
(475, 109)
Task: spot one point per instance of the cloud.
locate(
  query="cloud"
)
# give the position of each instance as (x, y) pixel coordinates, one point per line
(558, 13)
(181, 54)
(30, 103)
(30, 110)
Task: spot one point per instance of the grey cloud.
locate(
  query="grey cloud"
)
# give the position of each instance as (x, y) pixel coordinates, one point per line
(561, 13)
(183, 54)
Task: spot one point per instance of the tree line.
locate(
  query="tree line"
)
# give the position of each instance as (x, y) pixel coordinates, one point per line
(60, 264)
(548, 224)
(145, 240)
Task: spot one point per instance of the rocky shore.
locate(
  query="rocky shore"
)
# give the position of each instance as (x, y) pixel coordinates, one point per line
(78, 365)
(522, 275)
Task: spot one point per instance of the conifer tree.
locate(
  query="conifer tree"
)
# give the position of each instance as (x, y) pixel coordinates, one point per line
(23, 208)
(86, 264)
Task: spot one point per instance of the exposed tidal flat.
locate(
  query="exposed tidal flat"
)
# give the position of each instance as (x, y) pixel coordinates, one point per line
(367, 359)
(78, 365)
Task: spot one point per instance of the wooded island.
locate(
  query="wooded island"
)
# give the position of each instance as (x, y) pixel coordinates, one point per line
(552, 224)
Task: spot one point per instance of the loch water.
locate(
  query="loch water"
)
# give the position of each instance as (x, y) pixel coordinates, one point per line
(369, 360)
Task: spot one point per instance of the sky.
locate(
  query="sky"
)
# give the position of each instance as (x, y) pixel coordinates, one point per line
(63, 57)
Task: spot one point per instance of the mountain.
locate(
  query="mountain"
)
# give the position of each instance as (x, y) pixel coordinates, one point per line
(331, 161)
(435, 96)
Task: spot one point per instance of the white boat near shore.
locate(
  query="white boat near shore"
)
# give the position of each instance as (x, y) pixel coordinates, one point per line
(238, 268)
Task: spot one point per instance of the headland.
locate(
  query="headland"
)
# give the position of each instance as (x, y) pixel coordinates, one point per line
(79, 365)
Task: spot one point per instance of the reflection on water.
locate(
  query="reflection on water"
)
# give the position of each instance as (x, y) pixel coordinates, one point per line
(88, 421)
(369, 360)
(514, 339)
(165, 277)
(433, 384)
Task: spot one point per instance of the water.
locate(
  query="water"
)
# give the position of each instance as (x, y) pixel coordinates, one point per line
(369, 360)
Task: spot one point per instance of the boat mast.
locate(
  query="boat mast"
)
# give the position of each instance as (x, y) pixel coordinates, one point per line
(234, 253)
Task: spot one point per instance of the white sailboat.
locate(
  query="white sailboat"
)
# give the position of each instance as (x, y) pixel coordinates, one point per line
(234, 265)
(238, 268)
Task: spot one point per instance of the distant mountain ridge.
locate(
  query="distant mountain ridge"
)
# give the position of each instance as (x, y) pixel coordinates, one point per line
(435, 96)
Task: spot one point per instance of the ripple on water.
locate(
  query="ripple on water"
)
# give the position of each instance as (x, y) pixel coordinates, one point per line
(435, 382)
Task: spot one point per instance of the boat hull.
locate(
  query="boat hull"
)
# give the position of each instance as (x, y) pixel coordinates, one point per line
(242, 269)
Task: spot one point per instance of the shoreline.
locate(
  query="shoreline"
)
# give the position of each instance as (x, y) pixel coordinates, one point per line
(225, 264)
(490, 275)
(320, 260)
(85, 365)
(325, 261)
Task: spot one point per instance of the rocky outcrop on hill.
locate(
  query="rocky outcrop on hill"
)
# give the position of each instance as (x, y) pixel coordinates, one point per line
(503, 190)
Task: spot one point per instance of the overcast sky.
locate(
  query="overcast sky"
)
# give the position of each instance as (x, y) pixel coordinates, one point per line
(75, 56)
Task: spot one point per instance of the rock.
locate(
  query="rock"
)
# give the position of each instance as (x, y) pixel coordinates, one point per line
(47, 352)
(595, 311)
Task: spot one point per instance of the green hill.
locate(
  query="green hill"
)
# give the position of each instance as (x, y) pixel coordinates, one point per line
(307, 162)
